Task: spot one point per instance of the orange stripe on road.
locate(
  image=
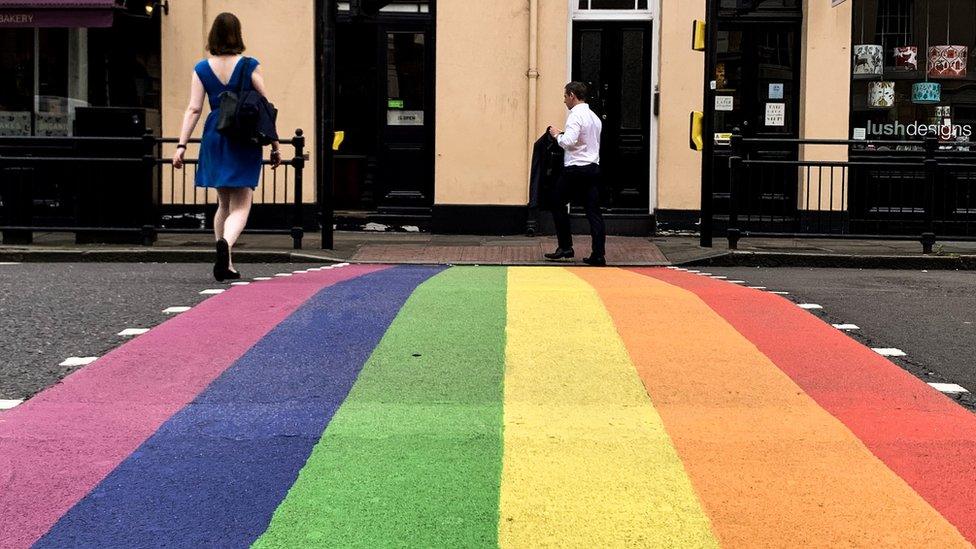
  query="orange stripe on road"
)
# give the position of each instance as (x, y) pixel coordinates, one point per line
(770, 466)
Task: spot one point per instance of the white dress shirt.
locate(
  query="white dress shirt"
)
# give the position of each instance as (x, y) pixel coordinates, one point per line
(581, 139)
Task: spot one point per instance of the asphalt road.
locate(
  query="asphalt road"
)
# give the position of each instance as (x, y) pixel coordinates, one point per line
(52, 311)
(931, 316)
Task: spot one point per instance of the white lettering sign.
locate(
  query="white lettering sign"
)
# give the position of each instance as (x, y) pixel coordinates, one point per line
(920, 129)
(724, 102)
(776, 114)
(16, 18)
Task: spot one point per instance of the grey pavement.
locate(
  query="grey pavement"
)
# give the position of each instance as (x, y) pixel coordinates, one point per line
(52, 311)
(671, 248)
(931, 316)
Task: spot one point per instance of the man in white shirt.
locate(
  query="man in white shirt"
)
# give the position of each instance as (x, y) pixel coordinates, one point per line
(581, 175)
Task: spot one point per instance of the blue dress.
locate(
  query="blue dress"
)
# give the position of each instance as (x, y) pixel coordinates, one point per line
(225, 163)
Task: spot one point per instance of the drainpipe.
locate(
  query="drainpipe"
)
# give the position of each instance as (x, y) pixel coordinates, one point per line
(533, 76)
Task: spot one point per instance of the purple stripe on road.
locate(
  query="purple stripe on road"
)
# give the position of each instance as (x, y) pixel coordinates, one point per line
(59, 445)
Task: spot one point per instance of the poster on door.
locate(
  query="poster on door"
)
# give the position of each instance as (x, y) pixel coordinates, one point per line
(775, 114)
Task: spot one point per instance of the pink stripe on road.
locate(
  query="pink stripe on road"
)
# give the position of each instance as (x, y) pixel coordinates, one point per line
(60, 444)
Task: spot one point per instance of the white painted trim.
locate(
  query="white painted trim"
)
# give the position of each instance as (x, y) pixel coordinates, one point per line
(654, 16)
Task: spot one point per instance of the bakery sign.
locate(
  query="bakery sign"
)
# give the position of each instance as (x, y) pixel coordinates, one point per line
(16, 19)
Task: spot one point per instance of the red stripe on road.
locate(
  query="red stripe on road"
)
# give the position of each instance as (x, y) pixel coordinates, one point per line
(59, 445)
(920, 434)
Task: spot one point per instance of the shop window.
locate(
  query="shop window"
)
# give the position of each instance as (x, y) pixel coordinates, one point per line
(50, 72)
(920, 81)
(405, 78)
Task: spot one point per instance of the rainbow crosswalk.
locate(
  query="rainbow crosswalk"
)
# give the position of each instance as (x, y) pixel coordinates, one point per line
(379, 406)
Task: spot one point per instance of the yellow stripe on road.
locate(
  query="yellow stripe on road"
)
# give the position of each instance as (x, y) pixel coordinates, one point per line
(587, 462)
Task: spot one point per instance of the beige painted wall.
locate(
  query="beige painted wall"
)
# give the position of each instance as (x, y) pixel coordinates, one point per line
(482, 102)
(279, 33)
(679, 168)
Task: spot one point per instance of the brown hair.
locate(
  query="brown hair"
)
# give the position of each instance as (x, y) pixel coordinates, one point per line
(579, 89)
(225, 36)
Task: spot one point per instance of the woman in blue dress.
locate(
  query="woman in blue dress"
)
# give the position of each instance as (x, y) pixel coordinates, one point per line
(232, 168)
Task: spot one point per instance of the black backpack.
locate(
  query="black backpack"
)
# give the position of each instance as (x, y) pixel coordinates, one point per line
(245, 115)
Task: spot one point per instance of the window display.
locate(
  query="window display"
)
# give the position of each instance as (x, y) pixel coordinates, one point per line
(910, 71)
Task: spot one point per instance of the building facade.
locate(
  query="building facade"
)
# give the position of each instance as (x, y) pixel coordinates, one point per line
(441, 100)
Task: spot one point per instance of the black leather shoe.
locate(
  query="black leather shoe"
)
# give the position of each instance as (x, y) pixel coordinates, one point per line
(222, 265)
(561, 254)
(595, 261)
(233, 275)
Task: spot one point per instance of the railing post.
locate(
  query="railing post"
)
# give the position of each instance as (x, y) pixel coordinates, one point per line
(298, 163)
(931, 174)
(149, 217)
(735, 175)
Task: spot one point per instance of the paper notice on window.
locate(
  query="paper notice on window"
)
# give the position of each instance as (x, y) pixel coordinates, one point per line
(776, 114)
(860, 134)
(404, 118)
(724, 102)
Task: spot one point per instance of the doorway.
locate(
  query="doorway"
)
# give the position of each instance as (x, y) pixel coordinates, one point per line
(385, 106)
(757, 93)
(614, 58)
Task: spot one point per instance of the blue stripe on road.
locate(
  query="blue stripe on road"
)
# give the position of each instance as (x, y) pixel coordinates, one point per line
(217, 470)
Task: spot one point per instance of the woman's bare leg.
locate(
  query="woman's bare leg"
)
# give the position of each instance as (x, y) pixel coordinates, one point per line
(223, 210)
(240, 209)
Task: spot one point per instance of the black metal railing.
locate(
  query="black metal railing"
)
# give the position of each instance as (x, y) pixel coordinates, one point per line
(111, 189)
(890, 190)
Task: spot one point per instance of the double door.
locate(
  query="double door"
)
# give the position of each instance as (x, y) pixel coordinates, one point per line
(614, 60)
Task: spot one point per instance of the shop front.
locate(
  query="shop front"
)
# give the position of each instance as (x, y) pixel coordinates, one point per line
(67, 65)
(913, 74)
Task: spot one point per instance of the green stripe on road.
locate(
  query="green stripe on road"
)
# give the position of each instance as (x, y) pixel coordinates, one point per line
(413, 457)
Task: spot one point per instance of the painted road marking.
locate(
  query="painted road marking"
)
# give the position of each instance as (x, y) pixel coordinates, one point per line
(719, 277)
(950, 388)
(695, 272)
(283, 275)
(212, 292)
(261, 278)
(78, 361)
(239, 283)
(175, 310)
(847, 327)
(342, 265)
(780, 293)
(809, 306)
(737, 281)
(129, 332)
(8, 404)
(7, 263)
(889, 352)
(757, 287)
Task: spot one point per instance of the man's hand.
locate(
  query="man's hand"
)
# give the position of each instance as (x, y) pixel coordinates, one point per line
(554, 132)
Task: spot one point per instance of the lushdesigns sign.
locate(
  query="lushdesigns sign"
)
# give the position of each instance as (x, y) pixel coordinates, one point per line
(948, 61)
(920, 129)
(906, 58)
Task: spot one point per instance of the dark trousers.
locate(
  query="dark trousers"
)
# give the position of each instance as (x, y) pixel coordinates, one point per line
(579, 182)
